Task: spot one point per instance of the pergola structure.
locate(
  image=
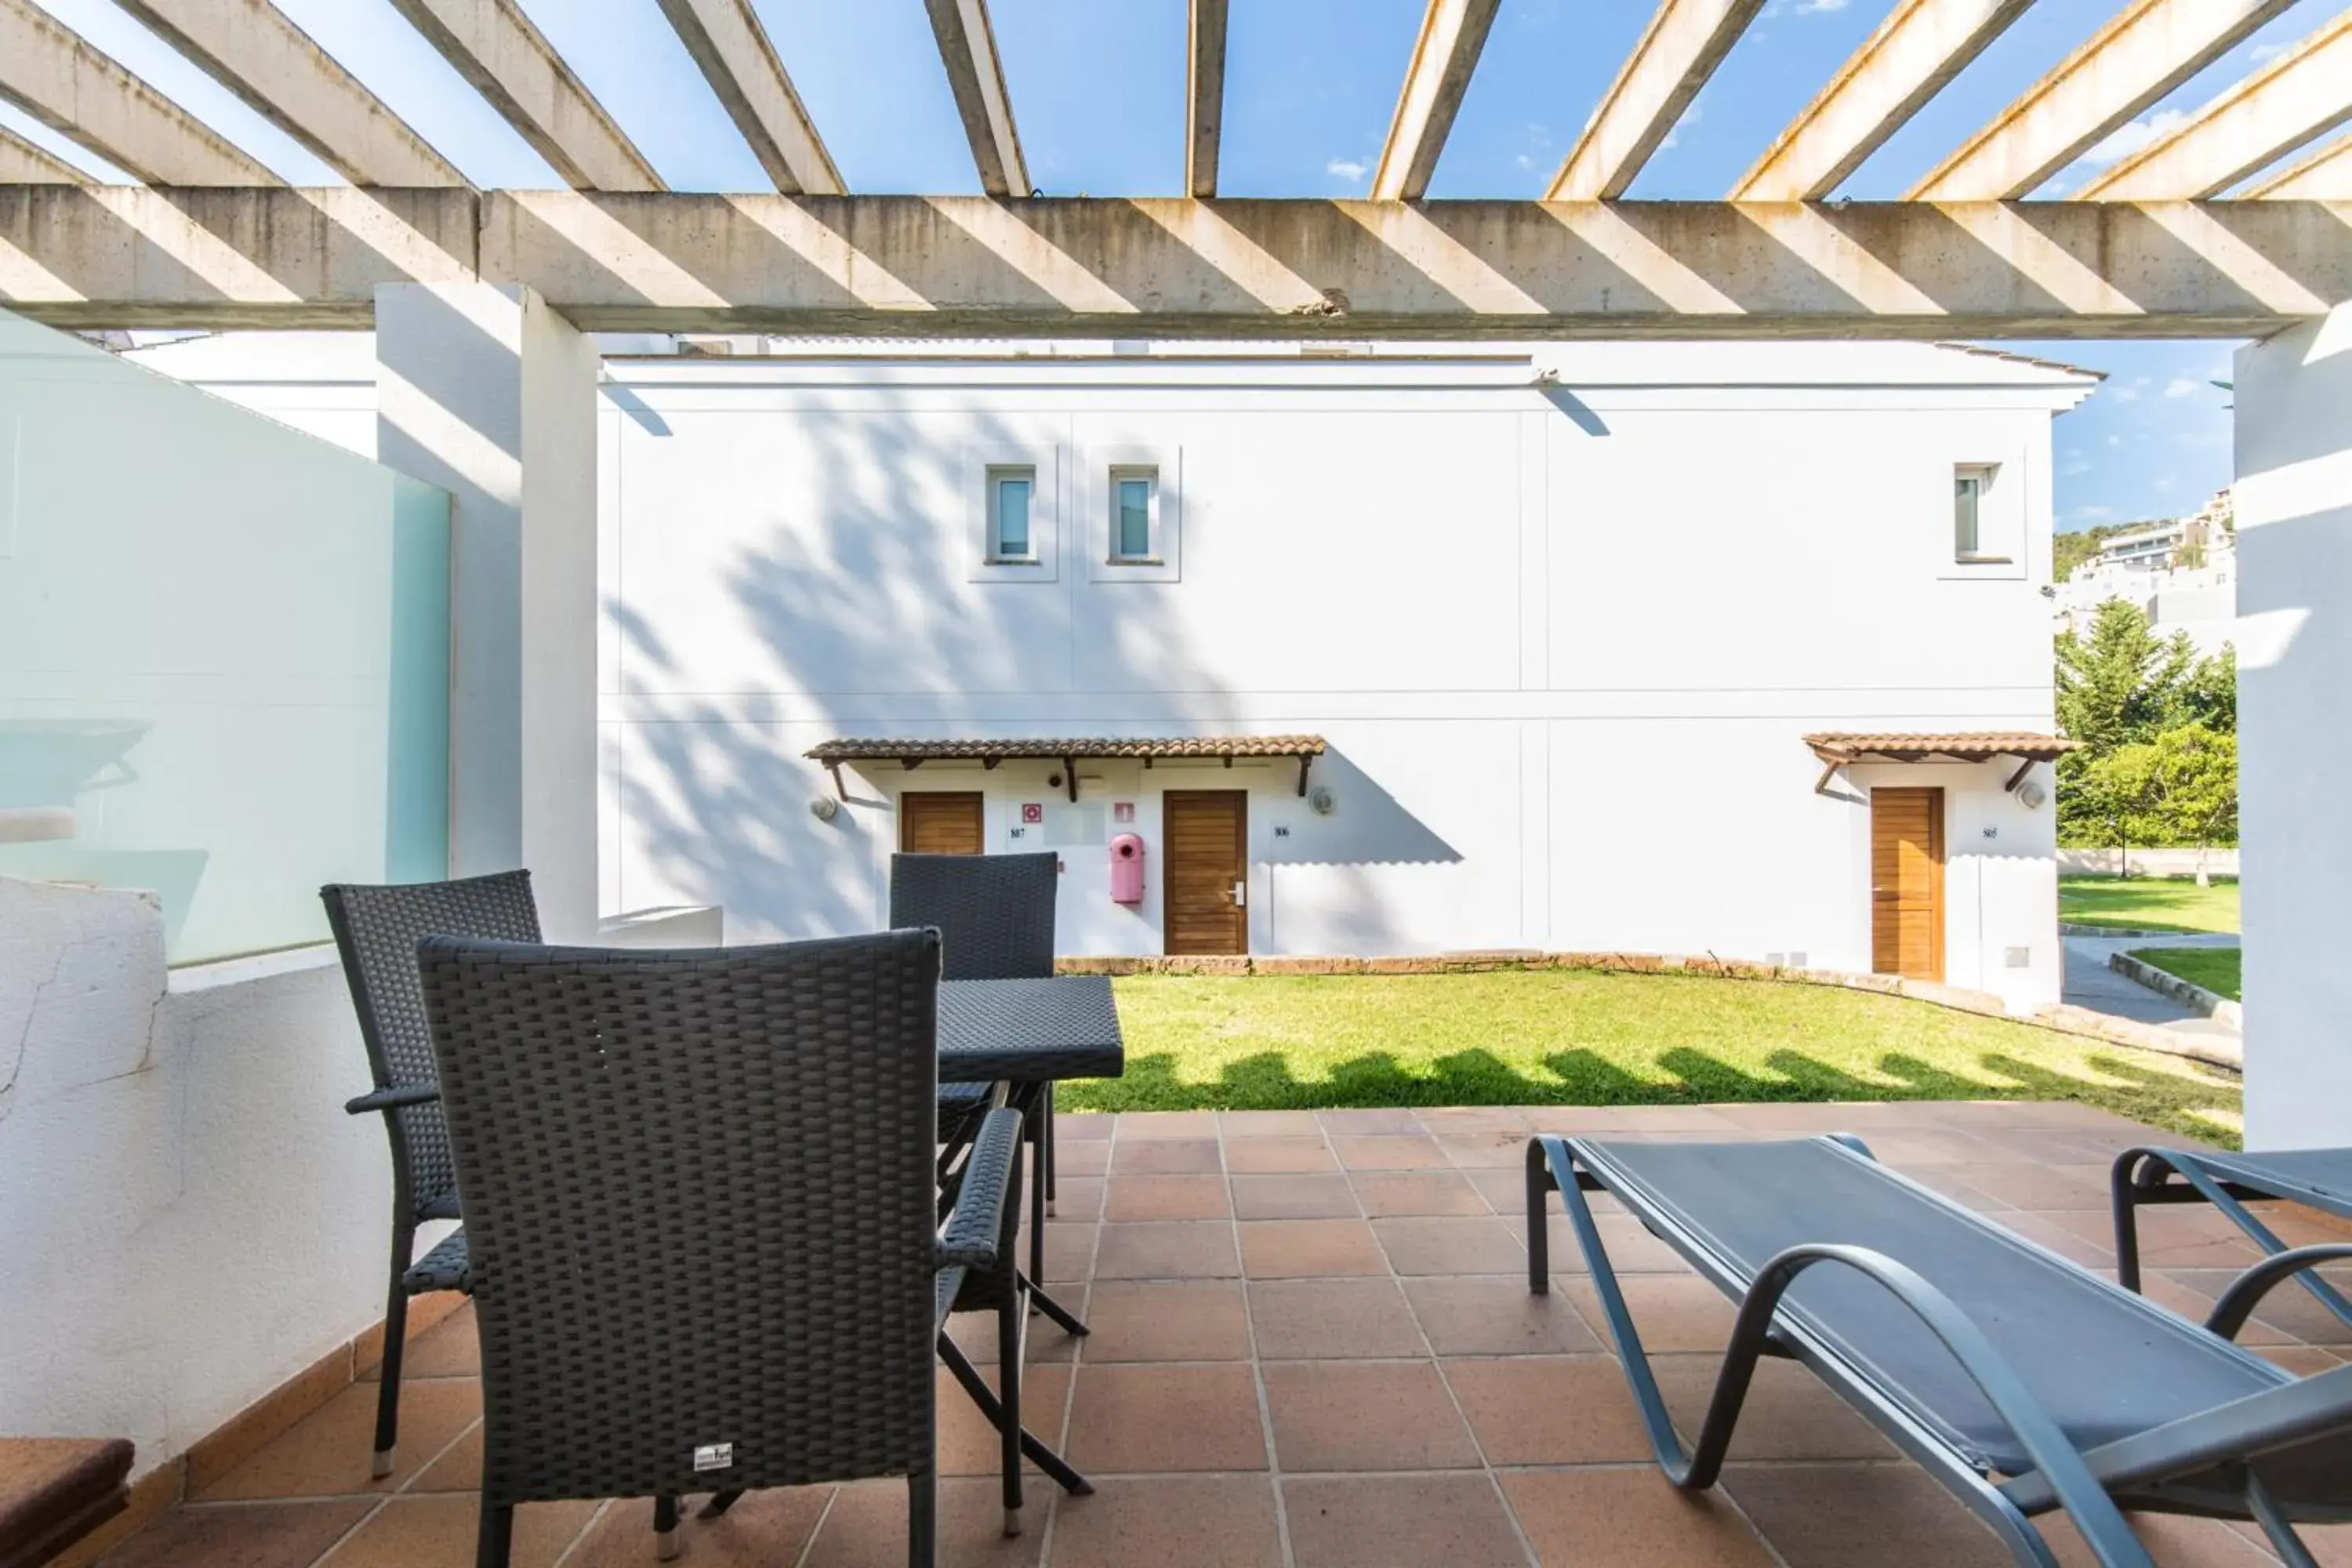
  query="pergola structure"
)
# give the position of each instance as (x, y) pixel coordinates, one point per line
(213, 238)
(2237, 221)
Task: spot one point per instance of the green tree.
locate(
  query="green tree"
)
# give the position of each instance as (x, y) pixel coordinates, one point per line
(2109, 693)
(2210, 695)
(2178, 789)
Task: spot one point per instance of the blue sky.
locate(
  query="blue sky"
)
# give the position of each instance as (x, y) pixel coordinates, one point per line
(1098, 91)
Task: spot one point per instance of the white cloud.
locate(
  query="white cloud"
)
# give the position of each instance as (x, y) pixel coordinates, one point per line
(2091, 514)
(2127, 140)
(1691, 116)
(2265, 52)
(1815, 7)
(1346, 168)
(1524, 161)
(2180, 386)
(2126, 392)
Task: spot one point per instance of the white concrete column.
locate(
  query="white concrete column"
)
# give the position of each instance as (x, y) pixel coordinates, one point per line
(2294, 502)
(490, 393)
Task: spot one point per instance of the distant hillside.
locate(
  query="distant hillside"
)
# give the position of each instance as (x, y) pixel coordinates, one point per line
(2069, 550)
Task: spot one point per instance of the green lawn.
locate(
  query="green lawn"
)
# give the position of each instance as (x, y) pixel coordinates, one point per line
(2147, 903)
(2214, 968)
(1581, 1037)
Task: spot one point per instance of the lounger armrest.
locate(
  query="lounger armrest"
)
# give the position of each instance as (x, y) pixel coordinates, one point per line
(389, 1099)
(2247, 1290)
(973, 1236)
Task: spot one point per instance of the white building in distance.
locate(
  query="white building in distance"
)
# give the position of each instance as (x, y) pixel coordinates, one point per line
(2183, 574)
(1738, 648)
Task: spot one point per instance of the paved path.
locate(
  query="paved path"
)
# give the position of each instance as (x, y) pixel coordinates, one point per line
(2091, 984)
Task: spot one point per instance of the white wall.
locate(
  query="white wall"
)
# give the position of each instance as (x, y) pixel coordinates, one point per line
(188, 1215)
(1563, 641)
(2293, 495)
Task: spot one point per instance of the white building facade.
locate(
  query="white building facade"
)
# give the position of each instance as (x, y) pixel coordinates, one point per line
(1561, 618)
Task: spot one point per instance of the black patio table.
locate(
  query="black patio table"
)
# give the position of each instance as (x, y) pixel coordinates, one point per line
(1026, 1035)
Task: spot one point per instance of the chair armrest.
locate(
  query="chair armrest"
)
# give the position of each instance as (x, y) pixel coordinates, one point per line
(973, 1234)
(389, 1099)
(2247, 1290)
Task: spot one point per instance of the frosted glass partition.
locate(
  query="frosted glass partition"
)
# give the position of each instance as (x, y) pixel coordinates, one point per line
(224, 652)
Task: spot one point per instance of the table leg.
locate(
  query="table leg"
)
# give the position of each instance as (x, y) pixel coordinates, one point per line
(1044, 1458)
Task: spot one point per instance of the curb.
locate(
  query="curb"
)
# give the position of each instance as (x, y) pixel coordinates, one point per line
(2058, 1017)
(2068, 929)
(2189, 995)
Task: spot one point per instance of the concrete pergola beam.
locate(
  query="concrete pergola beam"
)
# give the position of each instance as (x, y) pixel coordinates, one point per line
(733, 50)
(50, 72)
(2148, 48)
(2322, 176)
(1920, 47)
(1204, 96)
(510, 63)
(967, 43)
(2302, 94)
(22, 163)
(1453, 35)
(250, 47)
(1684, 43)
(117, 257)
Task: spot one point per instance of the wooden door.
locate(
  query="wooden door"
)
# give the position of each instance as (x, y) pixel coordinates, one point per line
(1907, 882)
(940, 821)
(1207, 833)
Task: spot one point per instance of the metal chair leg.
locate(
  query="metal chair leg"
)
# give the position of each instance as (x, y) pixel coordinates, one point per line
(1012, 1334)
(493, 1543)
(396, 1343)
(667, 1545)
(922, 1521)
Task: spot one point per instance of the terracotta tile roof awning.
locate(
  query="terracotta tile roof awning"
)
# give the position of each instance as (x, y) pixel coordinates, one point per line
(1970, 746)
(913, 754)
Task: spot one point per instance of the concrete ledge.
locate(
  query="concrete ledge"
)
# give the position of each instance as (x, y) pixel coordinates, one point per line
(2164, 983)
(2058, 1017)
(2067, 927)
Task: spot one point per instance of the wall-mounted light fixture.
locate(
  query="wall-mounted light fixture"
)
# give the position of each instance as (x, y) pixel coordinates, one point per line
(1321, 801)
(824, 808)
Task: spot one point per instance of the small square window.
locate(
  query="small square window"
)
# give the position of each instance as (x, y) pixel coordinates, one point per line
(1971, 493)
(1134, 514)
(1010, 493)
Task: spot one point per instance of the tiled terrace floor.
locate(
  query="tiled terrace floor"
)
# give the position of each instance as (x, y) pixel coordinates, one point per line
(1314, 1346)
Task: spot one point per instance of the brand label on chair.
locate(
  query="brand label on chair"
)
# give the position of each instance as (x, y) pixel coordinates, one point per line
(714, 1457)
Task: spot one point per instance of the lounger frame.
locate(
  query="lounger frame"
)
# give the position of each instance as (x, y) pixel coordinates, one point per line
(2065, 1478)
(2139, 1177)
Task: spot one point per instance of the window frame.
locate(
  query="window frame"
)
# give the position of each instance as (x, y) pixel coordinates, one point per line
(976, 497)
(996, 477)
(2002, 523)
(1122, 475)
(1105, 466)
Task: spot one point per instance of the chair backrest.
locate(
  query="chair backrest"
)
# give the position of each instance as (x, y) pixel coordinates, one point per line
(699, 1200)
(376, 930)
(994, 913)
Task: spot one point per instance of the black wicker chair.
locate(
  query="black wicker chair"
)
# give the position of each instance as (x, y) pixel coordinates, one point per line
(995, 914)
(376, 930)
(707, 1251)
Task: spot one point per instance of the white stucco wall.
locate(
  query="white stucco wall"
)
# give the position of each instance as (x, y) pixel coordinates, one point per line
(189, 1217)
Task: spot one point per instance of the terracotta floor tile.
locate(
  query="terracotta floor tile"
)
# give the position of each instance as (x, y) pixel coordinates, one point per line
(1069, 1250)
(1549, 1410)
(2289, 1309)
(1077, 1198)
(1082, 1127)
(1176, 1521)
(2300, 1359)
(441, 1532)
(1244, 1124)
(1390, 1193)
(1632, 1249)
(1295, 1197)
(968, 1445)
(1400, 1522)
(1277, 1156)
(1166, 1418)
(1788, 1413)
(1467, 1244)
(1906, 1149)
(327, 1451)
(1445, 1119)
(1302, 1319)
(450, 1348)
(1489, 1150)
(1495, 1314)
(1184, 1320)
(1080, 1157)
(1390, 1152)
(2172, 1541)
(2036, 1187)
(1166, 1157)
(1861, 1516)
(1628, 1518)
(1364, 1415)
(1939, 1178)
(2330, 1543)
(272, 1535)
(762, 1528)
(1167, 1198)
(1370, 1122)
(1506, 1191)
(458, 1469)
(1161, 1124)
(867, 1528)
(1302, 1249)
(1049, 1342)
(1672, 1313)
(1167, 1249)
